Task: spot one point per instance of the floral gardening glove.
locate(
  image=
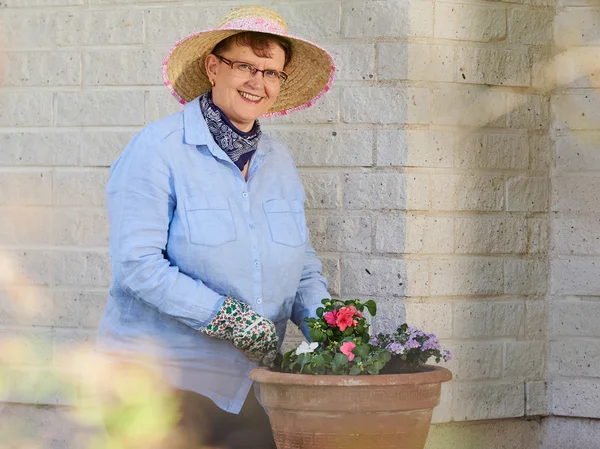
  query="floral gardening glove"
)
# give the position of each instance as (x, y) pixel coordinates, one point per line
(250, 332)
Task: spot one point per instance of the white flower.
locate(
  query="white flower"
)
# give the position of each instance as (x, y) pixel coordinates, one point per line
(306, 348)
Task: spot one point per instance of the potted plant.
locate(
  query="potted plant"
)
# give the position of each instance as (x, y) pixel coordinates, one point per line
(348, 389)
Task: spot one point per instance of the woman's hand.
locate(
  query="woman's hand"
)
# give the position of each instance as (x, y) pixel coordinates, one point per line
(250, 332)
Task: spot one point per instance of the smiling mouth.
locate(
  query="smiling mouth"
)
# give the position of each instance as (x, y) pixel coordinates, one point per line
(249, 97)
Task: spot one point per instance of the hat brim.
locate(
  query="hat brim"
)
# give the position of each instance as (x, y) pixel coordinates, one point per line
(310, 72)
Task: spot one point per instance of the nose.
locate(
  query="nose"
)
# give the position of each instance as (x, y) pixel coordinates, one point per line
(257, 81)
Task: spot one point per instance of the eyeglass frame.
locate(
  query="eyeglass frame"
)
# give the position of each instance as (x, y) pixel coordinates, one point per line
(253, 69)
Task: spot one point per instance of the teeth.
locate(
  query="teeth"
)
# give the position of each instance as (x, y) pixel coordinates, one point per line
(250, 97)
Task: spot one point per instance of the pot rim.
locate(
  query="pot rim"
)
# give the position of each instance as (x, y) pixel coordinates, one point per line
(435, 374)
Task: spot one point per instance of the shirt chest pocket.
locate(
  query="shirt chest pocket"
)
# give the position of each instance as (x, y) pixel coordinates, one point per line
(210, 220)
(286, 221)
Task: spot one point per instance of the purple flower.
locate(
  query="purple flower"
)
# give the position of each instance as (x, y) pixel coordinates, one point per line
(412, 344)
(395, 348)
(374, 341)
(446, 355)
(431, 344)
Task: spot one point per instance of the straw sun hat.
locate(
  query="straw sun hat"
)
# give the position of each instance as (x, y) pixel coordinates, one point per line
(310, 71)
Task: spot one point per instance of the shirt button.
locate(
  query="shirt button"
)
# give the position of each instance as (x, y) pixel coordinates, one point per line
(245, 195)
(258, 301)
(252, 226)
(256, 263)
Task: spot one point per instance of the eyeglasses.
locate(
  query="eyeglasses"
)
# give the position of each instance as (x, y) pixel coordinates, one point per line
(247, 71)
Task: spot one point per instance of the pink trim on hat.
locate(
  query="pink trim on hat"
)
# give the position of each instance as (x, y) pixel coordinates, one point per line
(257, 24)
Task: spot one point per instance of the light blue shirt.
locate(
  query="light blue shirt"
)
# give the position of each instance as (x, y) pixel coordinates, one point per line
(187, 230)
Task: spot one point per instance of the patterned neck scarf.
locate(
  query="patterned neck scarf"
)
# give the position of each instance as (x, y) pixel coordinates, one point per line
(239, 145)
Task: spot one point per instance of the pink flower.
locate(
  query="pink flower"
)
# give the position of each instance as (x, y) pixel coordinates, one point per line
(346, 316)
(354, 311)
(331, 318)
(347, 348)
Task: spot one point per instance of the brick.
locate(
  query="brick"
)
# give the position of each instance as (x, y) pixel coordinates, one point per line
(25, 109)
(469, 107)
(477, 65)
(579, 68)
(116, 108)
(331, 272)
(384, 105)
(525, 277)
(576, 317)
(139, 67)
(576, 194)
(325, 110)
(536, 318)
(578, 151)
(79, 187)
(318, 20)
(415, 148)
(67, 309)
(526, 111)
(354, 62)
(342, 233)
(25, 347)
(538, 235)
(374, 190)
(386, 277)
(577, 26)
(536, 398)
(113, 26)
(490, 234)
(25, 226)
(418, 191)
(26, 268)
(575, 276)
(576, 110)
(160, 104)
(40, 148)
(24, 28)
(483, 23)
(26, 188)
(527, 194)
(390, 314)
(335, 147)
(531, 26)
(40, 69)
(488, 401)
(524, 360)
(575, 397)
(435, 317)
(418, 274)
(575, 358)
(322, 190)
(35, 386)
(81, 268)
(443, 411)
(492, 150)
(559, 431)
(466, 276)
(101, 148)
(468, 192)
(28, 3)
(26, 306)
(415, 62)
(541, 152)
(476, 361)
(483, 319)
(390, 233)
(544, 67)
(68, 344)
(429, 234)
(576, 235)
(80, 227)
(385, 18)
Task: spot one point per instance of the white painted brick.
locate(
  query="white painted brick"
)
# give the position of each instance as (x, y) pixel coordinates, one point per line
(40, 68)
(443, 411)
(492, 66)
(541, 152)
(418, 274)
(524, 360)
(25, 226)
(415, 62)
(576, 317)
(81, 268)
(66, 309)
(354, 62)
(331, 272)
(79, 187)
(579, 68)
(490, 234)
(468, 192)
(138, 67)
(469, 107)
(322, 190)
(385, 277)
(492, 150)
(384, 18)
(30, 188)
(80, 227)
(390, 233)
(25, 109)
(527, 194)
(559, 431)
(488, 401)
(466, 276)
(483, 319)
(40, 148)
(24, 28)
(113, 26)
(333, 147)
(575, 276)
(91, 308)
(577, 26)
(342, 233)
(576, 235)
(576, 194)
(34, 386)
(390, 314)
(536, 398)
(101, 148)
(116, 108)
(26, 268)
(536, 318)
(160, 104)
(28, 3)
(476, 361)
(26, 347)
(528, 111)
(544, 67)
(374, 190)
(325, 110)
(32, 306)
(575, 358)
(315, 21)
(430, 316)
(70, 343)
(538, 235)
(576, 110)
(530, 26)
(483, 23)
(386, 105)
(418, 191)
(575, 397)
(580, 150)
(415, 148)
(428, 234)
(525, 277)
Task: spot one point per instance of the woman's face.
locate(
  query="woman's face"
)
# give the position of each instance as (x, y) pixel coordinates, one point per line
(230, 92)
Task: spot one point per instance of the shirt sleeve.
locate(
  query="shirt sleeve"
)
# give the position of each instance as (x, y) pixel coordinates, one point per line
(140, 202)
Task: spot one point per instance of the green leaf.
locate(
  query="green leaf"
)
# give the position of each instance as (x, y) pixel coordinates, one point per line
(325, 301)
(318, 360)
(355, 370)
(316, 335)
(320, 311)
(371, 307)
(340, 360)
(372, 370)
(348, 331)
(362, 351)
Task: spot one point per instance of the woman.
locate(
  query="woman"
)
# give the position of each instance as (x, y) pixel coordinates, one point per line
(209, 242)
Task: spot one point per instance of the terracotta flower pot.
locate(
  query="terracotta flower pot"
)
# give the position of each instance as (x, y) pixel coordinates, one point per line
(391, 411)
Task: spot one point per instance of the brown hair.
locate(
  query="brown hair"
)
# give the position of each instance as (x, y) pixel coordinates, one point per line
(259, 42)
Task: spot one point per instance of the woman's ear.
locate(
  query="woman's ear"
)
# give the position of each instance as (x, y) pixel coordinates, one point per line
(211, 62)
